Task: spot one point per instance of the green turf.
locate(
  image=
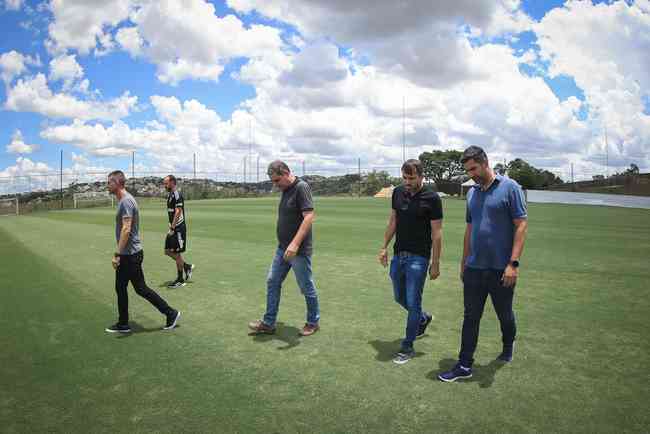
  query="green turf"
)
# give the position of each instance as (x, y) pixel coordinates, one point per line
(582, 304)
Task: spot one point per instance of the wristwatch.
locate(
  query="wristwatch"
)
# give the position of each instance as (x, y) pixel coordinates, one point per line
(515, 264)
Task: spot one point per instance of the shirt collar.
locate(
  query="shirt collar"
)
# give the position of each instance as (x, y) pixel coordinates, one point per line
(497, 179)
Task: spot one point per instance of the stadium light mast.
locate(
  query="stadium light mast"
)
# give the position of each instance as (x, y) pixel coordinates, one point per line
(61, 178)
(250, 144)
(606, 155)
(403, 128)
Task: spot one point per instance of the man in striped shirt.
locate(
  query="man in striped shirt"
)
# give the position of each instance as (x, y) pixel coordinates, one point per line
(176, 240)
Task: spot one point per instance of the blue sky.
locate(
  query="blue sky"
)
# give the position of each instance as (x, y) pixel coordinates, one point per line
(521, 81)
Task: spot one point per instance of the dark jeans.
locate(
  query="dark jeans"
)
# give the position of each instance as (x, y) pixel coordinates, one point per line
(130, 269)
(477, 285)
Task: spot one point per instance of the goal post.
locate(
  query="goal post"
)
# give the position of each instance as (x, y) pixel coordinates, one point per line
(10, 206)
(92, 199)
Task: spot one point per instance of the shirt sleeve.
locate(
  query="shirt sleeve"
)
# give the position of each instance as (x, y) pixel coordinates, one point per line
(127, 208)
(436, 207)
(468, 215)
(303, 196)
(518, 207)
(393, 199)
(178, 199)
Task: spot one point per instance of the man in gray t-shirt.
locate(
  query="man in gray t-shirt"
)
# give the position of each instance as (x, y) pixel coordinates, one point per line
(127, 207)
(295, 217)
(128, 257)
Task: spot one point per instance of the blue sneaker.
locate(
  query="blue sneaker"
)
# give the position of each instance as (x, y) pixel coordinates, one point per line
(457, 373)
(424, 324)
(507, 354)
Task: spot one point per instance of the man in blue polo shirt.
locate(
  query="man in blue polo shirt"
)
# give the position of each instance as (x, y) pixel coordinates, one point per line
(494, 240)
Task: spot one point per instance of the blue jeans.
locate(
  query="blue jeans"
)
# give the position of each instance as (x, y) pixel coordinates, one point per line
(277, 273)
(409, 273)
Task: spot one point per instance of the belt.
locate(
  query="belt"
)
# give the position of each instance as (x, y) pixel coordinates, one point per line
(405, 254)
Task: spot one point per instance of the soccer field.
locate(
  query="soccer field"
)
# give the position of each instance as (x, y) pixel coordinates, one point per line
(582, 305)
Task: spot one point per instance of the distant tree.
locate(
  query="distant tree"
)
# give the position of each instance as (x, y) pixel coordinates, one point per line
(441, 165)
(530, 177)
(374, 182)
(633, 170)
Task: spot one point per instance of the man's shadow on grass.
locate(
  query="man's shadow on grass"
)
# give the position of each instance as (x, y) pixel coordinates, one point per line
(137, 328)
(484, 375)
(386, 350)
(287, 334)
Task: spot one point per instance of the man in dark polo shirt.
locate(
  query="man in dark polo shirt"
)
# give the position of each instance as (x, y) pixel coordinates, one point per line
(494, 240)
(416, 219)
(295, 218)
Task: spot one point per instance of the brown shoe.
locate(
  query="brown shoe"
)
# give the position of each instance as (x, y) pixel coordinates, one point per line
(259, 327)
(309, 329)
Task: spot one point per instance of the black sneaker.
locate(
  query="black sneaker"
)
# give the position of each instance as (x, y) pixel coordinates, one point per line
(403, 356)
(172, 319)
(118, 328)
(178, 283)
(507, 354)
(188, 271)
(457, 373)
(424, 324)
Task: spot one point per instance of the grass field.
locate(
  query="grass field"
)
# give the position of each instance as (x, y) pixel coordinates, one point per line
(582, 304)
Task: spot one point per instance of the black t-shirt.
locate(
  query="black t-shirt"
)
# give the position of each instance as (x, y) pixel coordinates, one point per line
(414, 215)
(295, 200)
(175, 200)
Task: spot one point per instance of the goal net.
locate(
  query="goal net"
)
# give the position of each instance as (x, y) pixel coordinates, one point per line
(9, 206)
(93, 199)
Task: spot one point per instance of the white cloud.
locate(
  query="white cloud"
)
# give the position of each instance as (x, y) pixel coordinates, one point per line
(13, 5)
(130, 40)
(606, 49)
(66, 68)
(189, 40)
(13, 64)
(24, 166)
(418, 40)
(82, 24)
(33, 95)
(18, 145)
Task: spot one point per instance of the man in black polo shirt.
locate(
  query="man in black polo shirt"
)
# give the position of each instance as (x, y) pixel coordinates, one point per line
(295, 217)
(416, 219)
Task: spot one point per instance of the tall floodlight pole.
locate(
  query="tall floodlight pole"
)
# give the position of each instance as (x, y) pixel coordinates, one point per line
(61, 178)
(606, 155)
(403, 128)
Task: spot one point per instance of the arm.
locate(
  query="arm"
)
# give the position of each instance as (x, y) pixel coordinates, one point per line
(466, 248)
(292, 249)
(436, 248)
(121, 244)
(510, 274)
(388, 236)
(125, 233)
(177, 216)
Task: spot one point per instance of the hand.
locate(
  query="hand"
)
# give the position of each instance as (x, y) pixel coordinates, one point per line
(115, 262)
(434, 271)
(509, 276)
(383, 258)
(290, 253)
